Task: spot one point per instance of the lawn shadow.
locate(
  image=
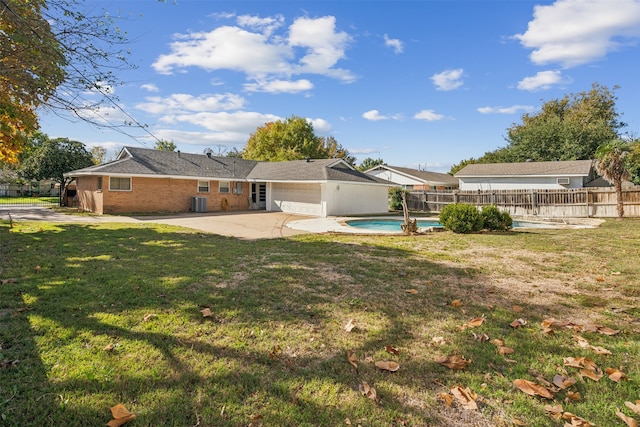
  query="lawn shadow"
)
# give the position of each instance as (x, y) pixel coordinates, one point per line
(274, 344)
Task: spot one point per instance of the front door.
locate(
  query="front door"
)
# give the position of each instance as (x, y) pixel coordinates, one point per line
(258, 196)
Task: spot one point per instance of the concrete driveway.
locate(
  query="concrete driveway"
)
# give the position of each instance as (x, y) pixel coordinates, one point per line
(243, 225)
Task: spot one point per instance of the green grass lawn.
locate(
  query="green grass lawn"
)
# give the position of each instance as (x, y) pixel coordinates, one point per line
(28, 200)
(96, 315)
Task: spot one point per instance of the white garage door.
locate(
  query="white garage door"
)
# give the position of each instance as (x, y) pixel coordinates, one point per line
(297, 198)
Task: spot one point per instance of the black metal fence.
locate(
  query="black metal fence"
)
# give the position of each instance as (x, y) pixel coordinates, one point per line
(29, 195)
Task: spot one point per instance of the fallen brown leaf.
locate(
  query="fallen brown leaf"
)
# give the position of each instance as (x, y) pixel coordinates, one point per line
(480, 337)
(456, 303)
(533, 389)
(563, 382)
(351, 357)
(615, 375)
(411, 291)
(150, 316)
(387, 365)
(630, 422)
(120, 415)
(517, 309)
(592, 373)
(10, 280)
(368, 391)
(575, 420)
(498, 341)
(475, 322)
(518, 323)
(108, 347)
(351, 324)
(391, 349)
(607, 331)
(573, 395)
(518, 422)
(453, 361)
(448, 399)
(635, 407)
(206, 312)
(555, 411)
(505, 350)
(465, 397)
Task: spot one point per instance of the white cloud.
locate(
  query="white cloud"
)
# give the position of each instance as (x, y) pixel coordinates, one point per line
(279, 86)
(264, 25)
(575, 32)
(320, 125)
(150, 87)
(182, 102)
(241, 122)
(448, 79)
(374, 115)
(396, 44)
(202, 138)
(325, 46)
(506, 110)
(311, 46)
(543, 80)
(428, 115)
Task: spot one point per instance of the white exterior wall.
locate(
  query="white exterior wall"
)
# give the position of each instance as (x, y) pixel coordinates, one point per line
(354, 199)
(393, 177)
(304, 199)
(518, 183)
(327, 199)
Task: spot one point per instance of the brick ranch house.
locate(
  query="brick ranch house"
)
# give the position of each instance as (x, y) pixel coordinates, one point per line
(143, 180)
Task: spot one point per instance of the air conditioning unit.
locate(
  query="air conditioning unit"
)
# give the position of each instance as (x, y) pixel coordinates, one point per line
(563, 181)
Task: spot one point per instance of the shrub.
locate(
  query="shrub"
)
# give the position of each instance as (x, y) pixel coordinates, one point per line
(494, 219)
(395, 198)
(461, 218)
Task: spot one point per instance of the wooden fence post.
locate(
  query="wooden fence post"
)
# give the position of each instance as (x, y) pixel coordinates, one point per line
(533, 202)
(586, 190)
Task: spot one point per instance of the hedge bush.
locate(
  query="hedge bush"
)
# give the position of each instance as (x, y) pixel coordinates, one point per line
(461, 218)
(494, 219)
(395, 198)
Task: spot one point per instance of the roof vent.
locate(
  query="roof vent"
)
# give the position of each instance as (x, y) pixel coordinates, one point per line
(178, 153)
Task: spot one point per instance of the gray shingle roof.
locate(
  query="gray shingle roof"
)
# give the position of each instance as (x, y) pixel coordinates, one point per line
(144, 161)
(425, 176)
(559, 168)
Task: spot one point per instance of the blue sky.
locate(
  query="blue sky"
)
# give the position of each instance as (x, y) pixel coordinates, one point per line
(421, 84)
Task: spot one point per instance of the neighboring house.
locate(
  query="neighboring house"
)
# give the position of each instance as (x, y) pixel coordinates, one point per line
(527, 175)
(413, 179)
(146, 180)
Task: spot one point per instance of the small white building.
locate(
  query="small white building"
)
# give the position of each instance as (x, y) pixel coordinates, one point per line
(413, 179)
(526, 175)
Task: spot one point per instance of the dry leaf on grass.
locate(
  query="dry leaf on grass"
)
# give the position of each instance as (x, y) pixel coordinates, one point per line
(368, 391)
(517, 422)
(533, 389)
(630, 422)
(607, 331)
(592, 373)
(387, 365)
(635, 407)
(391, 349)
(351, 324)
(108, 347)
(438, 341)
(480, 337)
(563, 382)
(351, 357)
(448, 399)
(518, 323)
(555, 411)
(517, 309)
(579, 362)
(615, 375)
(498, 342)
(505, 350)
(453, 361)
(576, 421)
(10, 280)
(120, 415)
(411, 291)
(465, 397)
(206, 312)
(573, 395)
(456, 303)
(150, 316)
(475, 322)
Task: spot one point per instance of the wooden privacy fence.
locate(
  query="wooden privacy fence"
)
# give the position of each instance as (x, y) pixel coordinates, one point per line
(573, 202)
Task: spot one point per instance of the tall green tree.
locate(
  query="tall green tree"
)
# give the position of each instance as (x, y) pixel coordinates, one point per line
(98, 154)
(164, 145)
(53, 158)
(290, 139)
(369, 163)
(56, 56)
(611, 164)
(570, 128)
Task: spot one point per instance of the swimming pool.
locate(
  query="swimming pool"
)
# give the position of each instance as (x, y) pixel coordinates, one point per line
(394, 224)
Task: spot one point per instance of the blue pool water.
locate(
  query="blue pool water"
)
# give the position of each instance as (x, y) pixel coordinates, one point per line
(394, 224)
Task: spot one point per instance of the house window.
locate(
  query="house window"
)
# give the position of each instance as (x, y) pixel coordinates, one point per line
(119, 184)
(99, 183)
(237, 188)
(203, 186)
(224, 186)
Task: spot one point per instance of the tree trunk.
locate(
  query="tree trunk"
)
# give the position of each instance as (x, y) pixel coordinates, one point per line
(409, 226)
(619, 201)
